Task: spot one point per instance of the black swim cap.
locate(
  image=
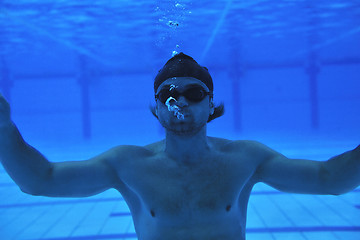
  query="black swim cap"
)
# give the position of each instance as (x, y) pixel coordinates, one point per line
(182, 65)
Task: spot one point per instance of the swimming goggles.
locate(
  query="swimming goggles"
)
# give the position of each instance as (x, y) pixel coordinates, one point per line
(194, 93)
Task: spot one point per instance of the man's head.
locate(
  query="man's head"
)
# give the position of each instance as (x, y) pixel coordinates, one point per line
(187, 71)
(182, 65)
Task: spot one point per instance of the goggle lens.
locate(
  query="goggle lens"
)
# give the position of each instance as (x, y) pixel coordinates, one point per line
(193, 94)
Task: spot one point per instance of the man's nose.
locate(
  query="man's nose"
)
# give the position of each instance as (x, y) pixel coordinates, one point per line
(182, 102)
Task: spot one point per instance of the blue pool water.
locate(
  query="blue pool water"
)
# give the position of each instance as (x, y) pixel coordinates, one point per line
(79, 78)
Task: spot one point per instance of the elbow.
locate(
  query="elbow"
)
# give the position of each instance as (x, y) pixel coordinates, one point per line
(37, 188)
(28, 191)
(335, 193)
(335, 189)
(331, 188)
(340, 191)
(31, 191)
(327, 183)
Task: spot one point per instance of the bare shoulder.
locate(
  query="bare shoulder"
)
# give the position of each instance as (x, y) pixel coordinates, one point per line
(253, 146)
(219, 143)
(126, 155)
(123, 154)
(247, 148)
(155, 147)
(127, 149)
(235, 145)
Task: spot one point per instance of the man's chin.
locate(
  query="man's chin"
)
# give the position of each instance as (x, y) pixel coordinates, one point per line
(184, 129)
(183, 132)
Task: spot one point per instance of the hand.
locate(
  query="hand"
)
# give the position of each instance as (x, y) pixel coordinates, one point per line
(4, 111)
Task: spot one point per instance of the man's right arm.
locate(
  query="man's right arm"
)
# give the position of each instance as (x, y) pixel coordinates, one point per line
(35, 175)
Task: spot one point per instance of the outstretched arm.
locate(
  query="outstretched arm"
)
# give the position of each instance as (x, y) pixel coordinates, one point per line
(35, 175)
(338, 175)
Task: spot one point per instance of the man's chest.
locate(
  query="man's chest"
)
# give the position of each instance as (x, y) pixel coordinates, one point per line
(206, 188)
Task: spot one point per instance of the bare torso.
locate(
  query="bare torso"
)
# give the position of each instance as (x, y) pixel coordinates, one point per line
(202, 200)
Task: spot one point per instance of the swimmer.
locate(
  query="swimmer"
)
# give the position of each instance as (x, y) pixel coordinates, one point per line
(187, 186)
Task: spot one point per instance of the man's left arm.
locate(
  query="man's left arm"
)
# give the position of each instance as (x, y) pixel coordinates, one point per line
(338, 175)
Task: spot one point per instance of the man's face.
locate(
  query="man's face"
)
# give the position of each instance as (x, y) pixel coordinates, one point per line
(179, 114)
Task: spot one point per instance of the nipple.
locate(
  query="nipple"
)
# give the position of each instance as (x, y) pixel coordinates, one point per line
(228, 207)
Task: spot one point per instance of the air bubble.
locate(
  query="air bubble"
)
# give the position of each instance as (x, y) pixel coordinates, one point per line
(173, 108)
(172, 87)
(173, 24)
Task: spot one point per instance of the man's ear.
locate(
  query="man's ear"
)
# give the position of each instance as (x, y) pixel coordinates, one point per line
(212, 106)
(156, 109)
